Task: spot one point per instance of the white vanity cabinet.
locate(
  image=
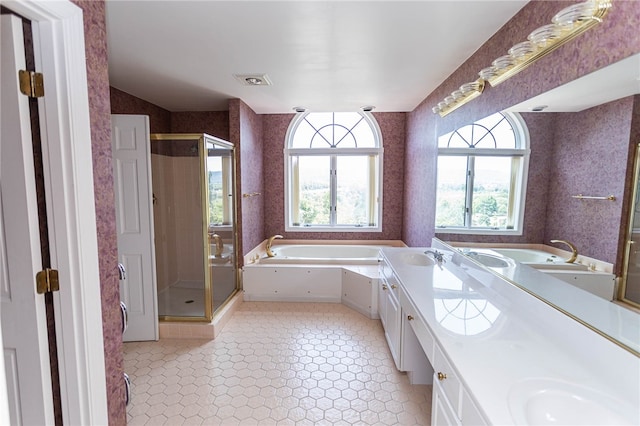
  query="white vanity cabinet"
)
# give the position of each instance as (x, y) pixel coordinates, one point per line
(442, 414)
(418, 352)
(500, 356)
(389, 309)
(406, 349)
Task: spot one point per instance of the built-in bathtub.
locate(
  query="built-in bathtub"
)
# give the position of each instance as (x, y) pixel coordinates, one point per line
(539, 259)
(315, 272)
(601, 283)
(323, 254)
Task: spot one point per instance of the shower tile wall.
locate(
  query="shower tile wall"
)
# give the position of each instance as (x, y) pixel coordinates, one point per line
(177, 220)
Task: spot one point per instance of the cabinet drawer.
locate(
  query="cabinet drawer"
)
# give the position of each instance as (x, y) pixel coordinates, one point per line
(418, 326)
(448, 379)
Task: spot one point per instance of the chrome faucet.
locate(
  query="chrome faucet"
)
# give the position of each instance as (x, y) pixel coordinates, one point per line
(219, 244)
(270, 243)
(574, 250)
(437, 256)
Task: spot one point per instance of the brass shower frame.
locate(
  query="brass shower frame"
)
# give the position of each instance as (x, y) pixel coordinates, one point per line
(202, 139)
(629, 243)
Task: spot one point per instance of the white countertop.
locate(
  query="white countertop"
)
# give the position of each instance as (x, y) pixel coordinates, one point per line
(500, 338)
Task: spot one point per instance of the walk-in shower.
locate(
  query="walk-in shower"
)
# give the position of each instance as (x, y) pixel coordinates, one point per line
(195, 227)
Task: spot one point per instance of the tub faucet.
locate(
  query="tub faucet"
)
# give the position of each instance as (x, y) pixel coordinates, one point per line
(270, 243)
(574, 250)
(219, 244)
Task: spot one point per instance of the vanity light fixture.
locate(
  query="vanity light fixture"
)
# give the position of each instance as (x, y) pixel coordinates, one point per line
(565, 26)
(467, 92)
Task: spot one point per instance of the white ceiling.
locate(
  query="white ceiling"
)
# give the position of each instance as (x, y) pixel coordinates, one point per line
(322, 55)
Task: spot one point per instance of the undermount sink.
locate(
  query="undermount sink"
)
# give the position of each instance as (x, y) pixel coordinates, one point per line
(417, 259)
(554, 402)
(489, 260)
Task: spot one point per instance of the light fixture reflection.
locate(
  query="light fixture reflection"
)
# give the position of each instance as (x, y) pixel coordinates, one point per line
(467, 92)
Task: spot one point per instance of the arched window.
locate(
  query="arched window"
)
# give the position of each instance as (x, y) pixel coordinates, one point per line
(333, 172)
(482, 171)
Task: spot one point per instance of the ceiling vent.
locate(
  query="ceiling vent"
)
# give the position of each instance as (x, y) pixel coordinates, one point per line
(253, 79)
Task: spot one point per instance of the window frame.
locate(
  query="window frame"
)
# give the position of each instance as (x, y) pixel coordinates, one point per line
(333, 153)
(523, 151)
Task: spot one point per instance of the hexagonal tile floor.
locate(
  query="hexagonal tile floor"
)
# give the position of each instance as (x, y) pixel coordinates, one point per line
(276, 363)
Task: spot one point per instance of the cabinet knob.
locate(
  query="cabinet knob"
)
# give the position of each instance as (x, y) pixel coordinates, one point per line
(441, 376)
(393, 286)
(384, 287)
(409, 317)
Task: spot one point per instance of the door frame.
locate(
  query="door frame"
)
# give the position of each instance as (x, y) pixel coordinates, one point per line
(58, 35)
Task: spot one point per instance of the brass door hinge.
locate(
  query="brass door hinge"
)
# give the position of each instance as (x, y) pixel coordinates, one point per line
(31, 83)
(47, 281)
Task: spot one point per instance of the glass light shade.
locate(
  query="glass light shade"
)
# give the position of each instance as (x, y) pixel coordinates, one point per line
(546, 34)
(503, 62)
(487, 73)
(575, 13)
(474, 86)
(522, 50)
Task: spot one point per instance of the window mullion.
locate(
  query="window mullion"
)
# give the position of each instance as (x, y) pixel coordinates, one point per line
(469, 193)
(334, 191)
(294, 204)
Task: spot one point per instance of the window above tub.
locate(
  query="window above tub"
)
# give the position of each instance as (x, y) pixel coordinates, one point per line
(333, 173)
(482, 177)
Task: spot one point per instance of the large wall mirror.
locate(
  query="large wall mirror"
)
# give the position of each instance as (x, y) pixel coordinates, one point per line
(595, 120)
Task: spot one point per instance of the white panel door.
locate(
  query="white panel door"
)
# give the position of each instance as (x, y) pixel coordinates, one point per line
(24, 323)
(134, 219)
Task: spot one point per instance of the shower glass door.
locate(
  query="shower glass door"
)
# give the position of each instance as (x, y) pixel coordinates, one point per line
(220, 219)
(630, 288)
(177, 208)
(194, 217)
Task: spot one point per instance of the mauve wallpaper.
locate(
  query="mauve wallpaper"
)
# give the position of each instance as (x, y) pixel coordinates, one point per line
(100, 118)
(590, 158)
(612, 40)
(246, 133)
(392, 126)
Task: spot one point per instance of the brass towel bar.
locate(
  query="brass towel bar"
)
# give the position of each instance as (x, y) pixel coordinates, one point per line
(253, 194)
(586, 197)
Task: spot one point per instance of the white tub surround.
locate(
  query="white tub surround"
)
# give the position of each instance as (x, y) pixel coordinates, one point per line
(502, 356)
(259, 253)
(590, 275)
(316, 271)
(351, 285)
(539, 256)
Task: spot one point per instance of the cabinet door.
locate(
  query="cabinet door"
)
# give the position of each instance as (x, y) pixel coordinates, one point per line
(442, 414)
(392, 327)
(382, 302)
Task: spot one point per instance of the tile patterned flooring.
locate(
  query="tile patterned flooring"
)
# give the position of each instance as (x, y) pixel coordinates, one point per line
(276, 363)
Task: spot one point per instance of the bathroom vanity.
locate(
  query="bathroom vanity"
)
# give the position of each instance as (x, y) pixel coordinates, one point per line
(498, 355)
